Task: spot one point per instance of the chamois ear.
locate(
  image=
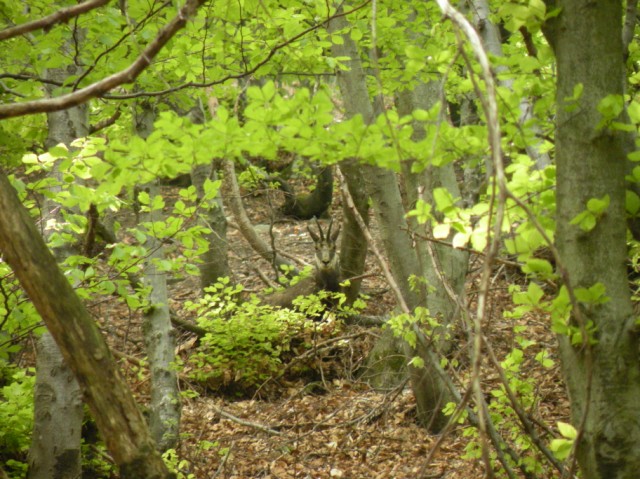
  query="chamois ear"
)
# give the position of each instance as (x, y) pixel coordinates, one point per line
(334, 235)
(314, 236)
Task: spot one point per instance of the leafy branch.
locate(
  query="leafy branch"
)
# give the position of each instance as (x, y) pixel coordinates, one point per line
(49, 21)
(128, 75)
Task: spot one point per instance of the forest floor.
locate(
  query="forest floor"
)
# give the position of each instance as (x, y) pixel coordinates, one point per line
(341, 428)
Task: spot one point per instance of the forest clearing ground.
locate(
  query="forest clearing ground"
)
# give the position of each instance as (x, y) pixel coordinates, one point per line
(348, 430)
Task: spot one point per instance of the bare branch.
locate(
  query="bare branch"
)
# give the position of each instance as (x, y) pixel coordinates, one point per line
(127, 75)
(57, 17)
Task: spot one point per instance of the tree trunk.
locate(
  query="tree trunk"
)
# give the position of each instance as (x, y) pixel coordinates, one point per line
(159, 336)
(430, 391)
(83, 348)
(353, 245)
(311, 205)
(603, 379)
(55, 444)
(443, 267)
(215, 261)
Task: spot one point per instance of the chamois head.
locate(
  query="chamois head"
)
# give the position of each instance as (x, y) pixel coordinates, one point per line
(327, 262)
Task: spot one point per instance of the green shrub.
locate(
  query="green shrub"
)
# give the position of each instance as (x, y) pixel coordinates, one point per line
(248, 342)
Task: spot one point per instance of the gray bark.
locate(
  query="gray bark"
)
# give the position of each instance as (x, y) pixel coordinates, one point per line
(430, 391)
(490, 35)
(159, 337)
(443, 267)
(55, 445)
(353, 245)
(215, 262)
(603, 379)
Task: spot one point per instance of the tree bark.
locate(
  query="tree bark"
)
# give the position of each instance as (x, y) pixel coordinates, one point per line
(160, 342)
(215, 261)
(111, 403)
(430, 391)
(159, 336)
(55, 445)
(603, 379)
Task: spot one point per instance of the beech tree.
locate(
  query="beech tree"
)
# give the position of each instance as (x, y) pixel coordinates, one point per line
(418, 108)
(599, 340)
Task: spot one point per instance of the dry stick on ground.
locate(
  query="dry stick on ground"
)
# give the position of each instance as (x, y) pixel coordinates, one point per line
(244, 422)
(499, 444)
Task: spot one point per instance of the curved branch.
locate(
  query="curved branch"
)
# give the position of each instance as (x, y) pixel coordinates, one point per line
(57, 17)
(244, 223)
(127, 75)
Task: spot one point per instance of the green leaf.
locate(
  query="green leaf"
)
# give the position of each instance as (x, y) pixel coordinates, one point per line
(417, 362)
(632, 202)
(610, 107)
(598, 206)
(538, 266)
(532, 296)
(567, 430)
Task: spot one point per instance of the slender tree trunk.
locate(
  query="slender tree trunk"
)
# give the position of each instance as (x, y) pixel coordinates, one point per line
(159, 336)
(215, 262)
(55, 445)
(603, 379)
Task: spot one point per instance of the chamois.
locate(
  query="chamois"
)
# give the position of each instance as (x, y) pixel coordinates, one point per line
(327, 269)
(327, 262)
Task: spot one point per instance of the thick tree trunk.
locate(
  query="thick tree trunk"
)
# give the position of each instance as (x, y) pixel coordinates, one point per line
(443, 267)
(83, 348)
(603, 379)
(353, 245)
(55, 445)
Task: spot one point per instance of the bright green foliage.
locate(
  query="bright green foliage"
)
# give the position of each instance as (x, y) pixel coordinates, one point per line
(596, 207)
(16, 412)
(562, 447)
(287, 107)
(248, 343)
(177, 465)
